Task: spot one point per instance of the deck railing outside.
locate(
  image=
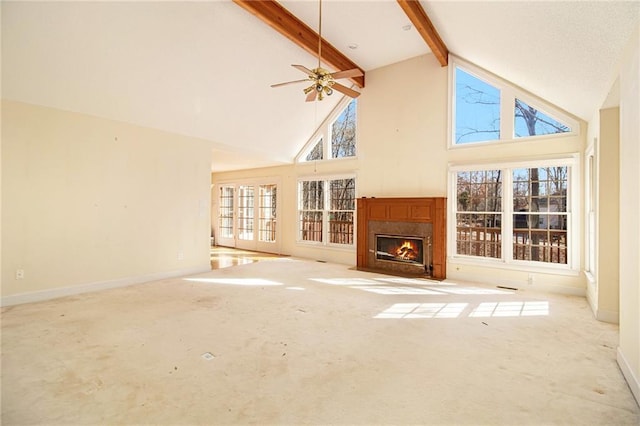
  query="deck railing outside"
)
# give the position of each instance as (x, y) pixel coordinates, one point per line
(539, 245)
(340, 232)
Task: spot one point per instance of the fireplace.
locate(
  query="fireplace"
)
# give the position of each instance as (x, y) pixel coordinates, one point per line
(403, 236)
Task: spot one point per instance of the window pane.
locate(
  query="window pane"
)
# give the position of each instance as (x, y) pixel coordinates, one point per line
(267, 215)
(542, 189)
(479, 191)
(311, 226)
(479, 235)
(539, 243)
(316, 152)
(531, 122)
(343, 133)
(341, 227)
(343, 194)
(477, 109)
(312, 195)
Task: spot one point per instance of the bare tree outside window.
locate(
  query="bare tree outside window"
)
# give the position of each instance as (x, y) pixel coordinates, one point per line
(531, 122)
(316, 153)
(343, 133)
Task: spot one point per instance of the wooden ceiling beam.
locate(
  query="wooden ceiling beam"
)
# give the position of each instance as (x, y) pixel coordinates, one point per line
(280, 19)
(421, 21)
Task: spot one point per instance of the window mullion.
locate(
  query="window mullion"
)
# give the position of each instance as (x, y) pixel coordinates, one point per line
(325, 213)
(507, 212)
(507, 113)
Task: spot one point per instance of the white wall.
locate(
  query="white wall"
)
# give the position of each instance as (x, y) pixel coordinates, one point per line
(403, 151)
(629, 349)
(92, 203)
(608, 207)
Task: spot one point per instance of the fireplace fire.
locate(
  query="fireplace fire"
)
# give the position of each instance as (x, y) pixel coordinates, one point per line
(400, 249)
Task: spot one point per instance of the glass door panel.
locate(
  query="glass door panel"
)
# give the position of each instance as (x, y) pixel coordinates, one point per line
(267, 213)
(245, 212)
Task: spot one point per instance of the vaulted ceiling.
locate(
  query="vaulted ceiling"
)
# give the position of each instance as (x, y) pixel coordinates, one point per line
(204, 69)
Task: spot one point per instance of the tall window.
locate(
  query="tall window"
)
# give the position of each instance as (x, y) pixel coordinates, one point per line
(326, 211)
(342, 199)
(485, 108)
(225, 212)
(479, 213)
(267, 213)
(540, 214)
(335, 137)
(516, 213)
(311, 201)
(245, 212)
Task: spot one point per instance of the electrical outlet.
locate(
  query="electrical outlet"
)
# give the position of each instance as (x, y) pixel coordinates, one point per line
(180, 255)
(19, 274)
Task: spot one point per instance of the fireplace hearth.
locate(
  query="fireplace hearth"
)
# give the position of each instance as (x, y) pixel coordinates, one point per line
(402, 236)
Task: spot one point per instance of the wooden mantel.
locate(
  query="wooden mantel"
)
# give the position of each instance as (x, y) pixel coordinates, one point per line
(406, 210)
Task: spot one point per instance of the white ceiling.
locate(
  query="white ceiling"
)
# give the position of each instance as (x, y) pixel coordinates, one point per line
(203, 69)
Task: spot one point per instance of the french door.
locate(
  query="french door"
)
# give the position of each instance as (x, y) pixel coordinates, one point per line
(247, 216)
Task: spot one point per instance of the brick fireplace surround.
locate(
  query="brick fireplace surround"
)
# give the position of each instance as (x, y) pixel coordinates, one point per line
(424, 218)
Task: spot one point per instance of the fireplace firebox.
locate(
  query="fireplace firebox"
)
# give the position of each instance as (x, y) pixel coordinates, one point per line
(403, 249)
(404, 236)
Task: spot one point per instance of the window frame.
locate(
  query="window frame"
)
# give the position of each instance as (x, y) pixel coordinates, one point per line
(326, 210)
(508, 95)
(323, 134)
(506, 261)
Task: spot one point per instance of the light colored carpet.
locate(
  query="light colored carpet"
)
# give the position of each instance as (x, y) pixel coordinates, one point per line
(301, 342)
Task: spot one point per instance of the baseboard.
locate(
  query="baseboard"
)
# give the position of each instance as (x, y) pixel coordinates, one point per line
(39, 296)
(560, 289)
(591, 299)
(628, 374)
(520, 285)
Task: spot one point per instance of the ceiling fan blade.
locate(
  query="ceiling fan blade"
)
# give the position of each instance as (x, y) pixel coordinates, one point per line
(312, 96)
(304, 69)
(344, 89)
(346, 74)
(289, 82)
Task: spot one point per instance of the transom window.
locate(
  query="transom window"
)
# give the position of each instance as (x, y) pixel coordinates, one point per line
(336, 137)
(485, 108)
(516, 213)
(477, 109)
(326, 211)
(532, 122)
(317, 152)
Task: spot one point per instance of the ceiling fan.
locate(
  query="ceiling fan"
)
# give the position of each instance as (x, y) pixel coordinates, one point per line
(323, 81)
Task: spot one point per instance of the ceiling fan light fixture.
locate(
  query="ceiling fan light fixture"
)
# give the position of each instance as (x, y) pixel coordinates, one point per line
(324, 81)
